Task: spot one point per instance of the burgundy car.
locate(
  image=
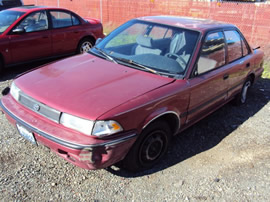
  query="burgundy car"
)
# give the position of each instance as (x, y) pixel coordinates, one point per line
(126, 98)
(31, 33)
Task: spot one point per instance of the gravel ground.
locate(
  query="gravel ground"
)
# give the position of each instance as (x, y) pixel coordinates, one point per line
(225, 157)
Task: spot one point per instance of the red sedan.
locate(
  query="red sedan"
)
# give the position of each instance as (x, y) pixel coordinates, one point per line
(32, 33)
(126, 98)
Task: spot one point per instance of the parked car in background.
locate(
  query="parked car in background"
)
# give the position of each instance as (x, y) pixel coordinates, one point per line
(5, 4)
(35, 32)
(148, 80)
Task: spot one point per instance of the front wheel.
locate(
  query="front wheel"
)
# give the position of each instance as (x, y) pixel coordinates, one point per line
(149, 148)
(85, 45)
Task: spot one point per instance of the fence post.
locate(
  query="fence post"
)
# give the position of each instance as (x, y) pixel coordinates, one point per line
(100, 10)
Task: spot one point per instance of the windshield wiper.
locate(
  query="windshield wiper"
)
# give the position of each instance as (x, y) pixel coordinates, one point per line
(106, 55)
(146, 68)
(138, 65)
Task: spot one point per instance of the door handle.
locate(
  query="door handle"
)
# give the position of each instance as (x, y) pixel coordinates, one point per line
(226, 76)
(76, 32)
(45, 37)
(247, 65)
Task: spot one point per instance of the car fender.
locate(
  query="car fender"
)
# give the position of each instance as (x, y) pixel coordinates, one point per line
(162, 113)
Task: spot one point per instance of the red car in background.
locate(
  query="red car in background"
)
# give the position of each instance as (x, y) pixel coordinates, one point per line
(32, 33)
(126, 98)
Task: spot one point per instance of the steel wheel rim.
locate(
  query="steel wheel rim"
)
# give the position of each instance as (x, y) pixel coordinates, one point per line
(152, 148)
(85, 47)
(244, 92)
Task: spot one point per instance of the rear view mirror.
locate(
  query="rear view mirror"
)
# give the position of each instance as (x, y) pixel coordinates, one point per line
(18, 30)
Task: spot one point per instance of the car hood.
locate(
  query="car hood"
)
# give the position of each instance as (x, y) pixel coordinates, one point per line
(87, 86)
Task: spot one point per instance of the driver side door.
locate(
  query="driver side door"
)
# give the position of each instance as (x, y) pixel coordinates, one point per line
(34, 40)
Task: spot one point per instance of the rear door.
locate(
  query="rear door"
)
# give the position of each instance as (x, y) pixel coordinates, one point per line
(66, 32)
(239, 60)
(209, 84)
(34, 42)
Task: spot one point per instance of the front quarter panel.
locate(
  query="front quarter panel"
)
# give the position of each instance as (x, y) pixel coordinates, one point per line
(141, 111)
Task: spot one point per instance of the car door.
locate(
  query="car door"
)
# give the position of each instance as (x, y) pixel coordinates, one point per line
(65, 32)
(209, 83)
(31, 38)
(239, 60)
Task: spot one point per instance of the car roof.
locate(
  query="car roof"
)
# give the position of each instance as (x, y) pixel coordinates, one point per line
(188, 22)
(28, 9)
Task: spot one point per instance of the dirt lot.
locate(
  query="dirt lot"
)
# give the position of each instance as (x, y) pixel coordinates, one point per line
(225, 157)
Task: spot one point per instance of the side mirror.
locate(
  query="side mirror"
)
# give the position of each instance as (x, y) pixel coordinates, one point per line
(18, 30)
(98, 41)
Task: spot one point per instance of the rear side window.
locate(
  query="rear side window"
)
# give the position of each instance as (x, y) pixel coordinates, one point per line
(245, 48)
(61, 19)
(233, 40)
(212, 54)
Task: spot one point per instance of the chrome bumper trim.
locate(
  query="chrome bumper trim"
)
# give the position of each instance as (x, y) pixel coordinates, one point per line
(63, 142)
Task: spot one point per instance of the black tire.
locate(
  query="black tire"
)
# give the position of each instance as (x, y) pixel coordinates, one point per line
(241, 98)
(84, 45)
(149, 148)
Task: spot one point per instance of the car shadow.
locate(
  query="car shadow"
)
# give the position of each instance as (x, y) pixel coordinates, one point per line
(208, 132)
(12, 72)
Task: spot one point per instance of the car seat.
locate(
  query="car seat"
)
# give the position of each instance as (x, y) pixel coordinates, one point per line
(145, 45)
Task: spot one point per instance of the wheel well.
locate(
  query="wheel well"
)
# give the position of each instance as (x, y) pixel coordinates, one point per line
(89, 37)
(2, 61)
(252, 77)
(171, 119)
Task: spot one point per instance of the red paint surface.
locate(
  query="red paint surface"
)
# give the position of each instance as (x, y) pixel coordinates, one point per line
(90, 81)
(93, 88)
(252, 18)
(24, 47)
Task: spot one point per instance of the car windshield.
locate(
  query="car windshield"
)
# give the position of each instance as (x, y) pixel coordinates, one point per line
(8, 17)
(150, 46)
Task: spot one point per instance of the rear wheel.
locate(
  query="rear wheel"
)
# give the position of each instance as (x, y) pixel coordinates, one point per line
(149, 148)
(85, 45)
(241, 98)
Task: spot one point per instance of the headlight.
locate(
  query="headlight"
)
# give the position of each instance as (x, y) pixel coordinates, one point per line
(15, 91)
(76, 123)
(105, 128)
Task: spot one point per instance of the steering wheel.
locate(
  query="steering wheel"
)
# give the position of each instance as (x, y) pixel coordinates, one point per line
(175, 57)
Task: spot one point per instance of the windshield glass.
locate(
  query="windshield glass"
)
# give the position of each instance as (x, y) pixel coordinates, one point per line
(7, 18)
(164, 49)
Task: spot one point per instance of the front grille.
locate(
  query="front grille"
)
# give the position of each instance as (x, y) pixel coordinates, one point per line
(39, 108)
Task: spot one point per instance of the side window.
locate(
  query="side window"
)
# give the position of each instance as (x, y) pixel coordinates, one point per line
(212, 54)
(61, 19)
(75, 20)
(233, 40)
(34, 22)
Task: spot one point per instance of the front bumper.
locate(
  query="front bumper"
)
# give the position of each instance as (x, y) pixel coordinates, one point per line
(93, 154)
